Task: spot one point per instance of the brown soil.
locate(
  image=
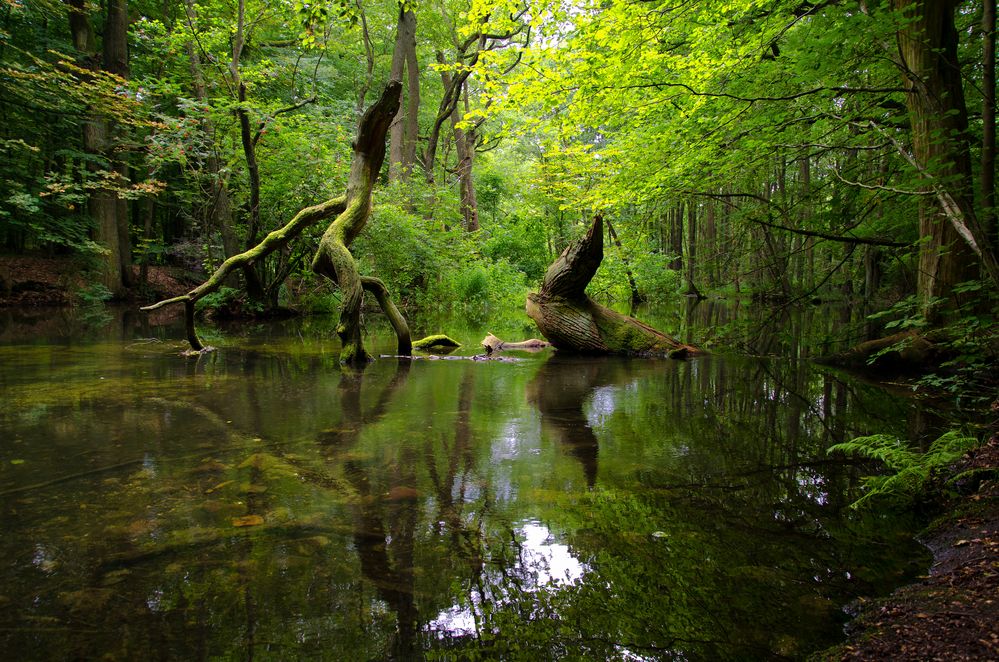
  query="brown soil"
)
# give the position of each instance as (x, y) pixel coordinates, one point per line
(27, 281)
(953, 613)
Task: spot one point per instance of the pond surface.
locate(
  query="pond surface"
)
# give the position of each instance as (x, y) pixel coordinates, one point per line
(261, 502)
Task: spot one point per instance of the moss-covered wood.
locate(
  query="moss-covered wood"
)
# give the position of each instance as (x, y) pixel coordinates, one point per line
(436, 343)
(333, 259)
(573, 322)
(273, 241)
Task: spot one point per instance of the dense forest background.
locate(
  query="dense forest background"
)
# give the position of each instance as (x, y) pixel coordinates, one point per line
(788, 151)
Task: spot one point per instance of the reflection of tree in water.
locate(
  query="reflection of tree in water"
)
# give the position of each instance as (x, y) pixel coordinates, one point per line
(387, 515)
(559, 391)
(385, 550)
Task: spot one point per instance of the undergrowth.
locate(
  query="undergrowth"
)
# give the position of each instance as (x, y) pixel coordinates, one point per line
(911, 471)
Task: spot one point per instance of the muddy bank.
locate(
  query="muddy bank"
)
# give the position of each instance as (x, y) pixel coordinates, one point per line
(953, 612)
(31, 282)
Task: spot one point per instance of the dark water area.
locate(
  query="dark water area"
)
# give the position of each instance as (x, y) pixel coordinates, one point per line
(262, 502)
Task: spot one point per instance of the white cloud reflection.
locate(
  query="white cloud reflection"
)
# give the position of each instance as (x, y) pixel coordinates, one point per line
(541, 562)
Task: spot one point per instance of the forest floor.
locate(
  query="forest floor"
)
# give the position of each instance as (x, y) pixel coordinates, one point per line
(953, 612)
(41, 281)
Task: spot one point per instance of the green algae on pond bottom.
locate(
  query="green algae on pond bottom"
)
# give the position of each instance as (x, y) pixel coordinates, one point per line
(263, 502)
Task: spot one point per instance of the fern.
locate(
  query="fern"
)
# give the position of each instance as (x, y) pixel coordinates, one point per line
(911, 470)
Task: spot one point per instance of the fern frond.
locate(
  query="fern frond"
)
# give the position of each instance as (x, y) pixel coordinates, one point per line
(890, 450)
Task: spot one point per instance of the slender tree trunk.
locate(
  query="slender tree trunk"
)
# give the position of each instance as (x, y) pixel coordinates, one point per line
(710, 244)
(369, 56)
(254, 283)
(989, 219)
(464, 142)
(676, 237)
(404, 52)
(692, 250)
(636, 296)
(218, 208)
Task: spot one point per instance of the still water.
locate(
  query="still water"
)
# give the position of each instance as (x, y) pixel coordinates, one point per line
(261, 502)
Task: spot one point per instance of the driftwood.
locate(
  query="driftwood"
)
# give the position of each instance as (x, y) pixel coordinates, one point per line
(494, 344)
(907, 351)
(573, 322)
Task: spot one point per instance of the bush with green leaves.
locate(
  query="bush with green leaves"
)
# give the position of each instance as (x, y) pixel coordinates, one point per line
(911, 471)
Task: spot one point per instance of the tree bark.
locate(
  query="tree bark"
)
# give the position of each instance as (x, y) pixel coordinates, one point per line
(988, 183)
(402, 55)
(636, 296)
(692, 290)
(573, 322)
(217, 215)
(927, 46)
(254, 283)
(333, 259)
(103, 204)
(464, 142)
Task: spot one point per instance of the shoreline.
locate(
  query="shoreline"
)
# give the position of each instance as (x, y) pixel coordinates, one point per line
(952, 613)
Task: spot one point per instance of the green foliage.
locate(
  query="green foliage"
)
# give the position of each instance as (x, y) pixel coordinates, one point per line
(653, 275)
(911, 470)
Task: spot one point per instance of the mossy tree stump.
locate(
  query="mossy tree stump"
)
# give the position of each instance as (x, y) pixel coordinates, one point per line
(573, 322)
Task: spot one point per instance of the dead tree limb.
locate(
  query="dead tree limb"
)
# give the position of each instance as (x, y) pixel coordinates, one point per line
(573, 322)
(333, 259)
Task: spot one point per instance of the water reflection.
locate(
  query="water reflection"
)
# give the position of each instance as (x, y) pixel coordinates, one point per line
(262, 503)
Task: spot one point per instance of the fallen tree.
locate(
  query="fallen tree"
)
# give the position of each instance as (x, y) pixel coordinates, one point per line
(333, 258)
(573, 322)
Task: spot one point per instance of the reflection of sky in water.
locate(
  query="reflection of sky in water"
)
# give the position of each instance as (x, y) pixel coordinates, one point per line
(519, 438)
(542, 562)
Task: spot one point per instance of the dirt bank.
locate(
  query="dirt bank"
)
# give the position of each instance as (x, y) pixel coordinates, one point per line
(953, 612)
(27, 281)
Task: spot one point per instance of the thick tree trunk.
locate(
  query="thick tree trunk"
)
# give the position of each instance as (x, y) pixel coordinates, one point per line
(951, 238)
(988, 169)
(103, 204)
(573, 322)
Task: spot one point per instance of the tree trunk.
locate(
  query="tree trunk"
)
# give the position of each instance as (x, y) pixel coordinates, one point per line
(333, 259)
(692, 290)
(989, 120)
(573, 322)
(403, 54)
(636, 296)
(115, 53)
(103, 203)
(927, 46)
(676, 237)
(217, 214)
(464, 142)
